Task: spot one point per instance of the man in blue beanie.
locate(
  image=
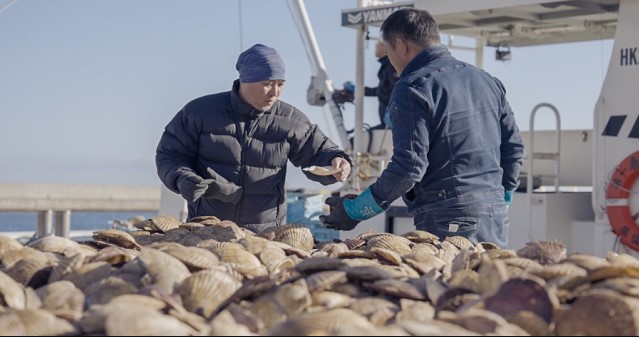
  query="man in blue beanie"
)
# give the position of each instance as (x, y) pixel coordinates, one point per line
(227, 153)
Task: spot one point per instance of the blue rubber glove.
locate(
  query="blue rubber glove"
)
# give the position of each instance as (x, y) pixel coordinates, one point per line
(387, 120)
(346, 213)
(350, 86)
(508, 197)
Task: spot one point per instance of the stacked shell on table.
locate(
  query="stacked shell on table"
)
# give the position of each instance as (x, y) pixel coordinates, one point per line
(211, 277)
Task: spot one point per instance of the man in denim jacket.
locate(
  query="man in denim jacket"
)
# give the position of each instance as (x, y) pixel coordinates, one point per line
(457, 150)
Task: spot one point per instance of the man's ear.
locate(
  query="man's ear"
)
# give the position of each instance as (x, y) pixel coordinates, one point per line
(403, 46)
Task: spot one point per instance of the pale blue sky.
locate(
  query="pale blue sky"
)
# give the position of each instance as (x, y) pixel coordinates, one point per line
(86, 87)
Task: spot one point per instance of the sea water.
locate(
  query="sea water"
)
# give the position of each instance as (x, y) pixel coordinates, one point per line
(82, 221)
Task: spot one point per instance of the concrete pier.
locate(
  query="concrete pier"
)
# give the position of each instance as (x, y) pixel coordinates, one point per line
(57, 201)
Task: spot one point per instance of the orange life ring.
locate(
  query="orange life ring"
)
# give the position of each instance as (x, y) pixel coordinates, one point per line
(623, 223)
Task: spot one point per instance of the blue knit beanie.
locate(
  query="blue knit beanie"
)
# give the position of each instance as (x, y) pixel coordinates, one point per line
(260, 63)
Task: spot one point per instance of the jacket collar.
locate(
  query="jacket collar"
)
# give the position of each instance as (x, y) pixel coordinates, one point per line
(426, 56)
(239, 106)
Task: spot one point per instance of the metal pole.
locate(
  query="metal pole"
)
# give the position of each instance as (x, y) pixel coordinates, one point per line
(358, 138)
(320, 70)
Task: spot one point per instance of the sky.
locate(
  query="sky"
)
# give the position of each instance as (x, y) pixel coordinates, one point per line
(86, 87)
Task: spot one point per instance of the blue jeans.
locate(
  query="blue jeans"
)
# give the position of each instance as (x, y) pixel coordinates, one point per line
(479, 220)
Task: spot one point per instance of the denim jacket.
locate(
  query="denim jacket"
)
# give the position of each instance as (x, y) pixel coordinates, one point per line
(454, 136)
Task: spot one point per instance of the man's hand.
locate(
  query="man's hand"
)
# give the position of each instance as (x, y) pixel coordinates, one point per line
(344, 168)
(223, 190)
(338, 218)
(192, 187)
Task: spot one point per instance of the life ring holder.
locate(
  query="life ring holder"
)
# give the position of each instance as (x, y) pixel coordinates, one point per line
(623, 223)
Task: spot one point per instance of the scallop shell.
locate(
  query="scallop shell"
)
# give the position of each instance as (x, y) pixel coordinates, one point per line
(65, 266)
(482, 322)
(387, 255)
(628, 286)
(521, 294)
(434, 328)
(333, 322)
(11, 324)
(194, 258)
(115, 256)
(398, 244)
(116, 237)
(588, 262)
(319, 263)
(164, 223)
(544, 252)
(104, 291)
(454, 298)
(611, 271)
(367, 306)
(366, 273)
(210, 219)
(484, 246)
(321, 170)
(191, 225)
(531, 322)
(356, 254)
(460, 242)
(596, 314)
(204, 291)
(333, 249)
(330, 299)
(354, 243)
(525, 264)
(465, 278)
(622, 259)
(88, 274)
(500, 253)
(235, 253)
(143, 321)
(164, 270)
(561, 270)
(255, 244)
(38, 322)
(11, 292)
(62, 298)
(176, 234)
(30, 272)
(411, 310)
(421, 236)
(492, 275)
(8, 243)
(425, 249)
(325, 280)
(297, 236)
(396, 288)
(271, 257)
(424, 263)
(52, 244)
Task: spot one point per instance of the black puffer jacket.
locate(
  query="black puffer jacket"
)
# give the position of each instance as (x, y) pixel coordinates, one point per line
(247, 147)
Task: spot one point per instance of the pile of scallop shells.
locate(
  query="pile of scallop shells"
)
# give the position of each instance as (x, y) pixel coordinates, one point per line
(211, 277)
